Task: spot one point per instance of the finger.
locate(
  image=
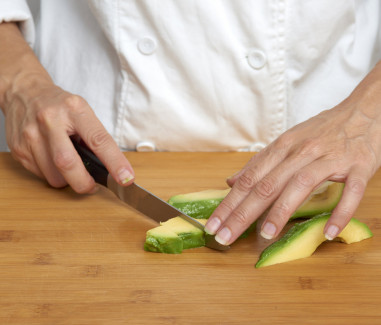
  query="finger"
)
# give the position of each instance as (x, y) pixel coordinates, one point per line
(41, 153)
(352, 194)
(263, 194)
(23, 154)
(297, 190)
(257, 168)
(251, 174)
(256, 157)
(28, 163)
(232, 179)
(69, 164)
(104, 147)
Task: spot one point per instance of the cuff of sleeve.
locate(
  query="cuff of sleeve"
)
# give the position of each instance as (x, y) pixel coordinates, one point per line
(18, 11)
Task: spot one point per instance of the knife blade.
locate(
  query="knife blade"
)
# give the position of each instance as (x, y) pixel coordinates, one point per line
(137, 197)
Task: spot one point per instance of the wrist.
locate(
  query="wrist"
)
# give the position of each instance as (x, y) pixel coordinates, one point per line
(367, 95)
(20, 70)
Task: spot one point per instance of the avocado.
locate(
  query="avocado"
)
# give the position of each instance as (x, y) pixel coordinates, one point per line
(304, 238)
(163, 240)
(173, 236)
(199, 205)
(190, 235)
(323, 199)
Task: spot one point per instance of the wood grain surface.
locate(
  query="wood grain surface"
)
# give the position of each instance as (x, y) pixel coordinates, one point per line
(79, 259)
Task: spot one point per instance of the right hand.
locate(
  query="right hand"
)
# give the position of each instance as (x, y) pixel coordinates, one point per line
(38, 130)
(40, 118)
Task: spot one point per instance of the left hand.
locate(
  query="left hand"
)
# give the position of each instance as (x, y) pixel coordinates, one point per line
(342, 144)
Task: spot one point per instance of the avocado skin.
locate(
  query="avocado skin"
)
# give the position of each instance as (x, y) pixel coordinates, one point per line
(160, 244)
(193, 239)
(302, 228)
(173, 236)
(166, 245)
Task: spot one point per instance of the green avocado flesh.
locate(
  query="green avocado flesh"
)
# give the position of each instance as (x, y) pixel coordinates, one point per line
(173, 236)
(324, 199)
(199, 205)
(304, 238)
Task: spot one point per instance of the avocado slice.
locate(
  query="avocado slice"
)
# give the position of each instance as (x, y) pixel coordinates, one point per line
(323, 199)
(199, 205)
(163, 240)
(304, 238)
(173, 236)
(190, 235)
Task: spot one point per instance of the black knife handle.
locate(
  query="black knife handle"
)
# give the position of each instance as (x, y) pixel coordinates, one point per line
(93, 165)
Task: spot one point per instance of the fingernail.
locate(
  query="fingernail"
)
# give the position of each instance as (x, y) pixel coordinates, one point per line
(125, 176)
(224, 236)
(332, 232)
(268, 231)
(212, 226)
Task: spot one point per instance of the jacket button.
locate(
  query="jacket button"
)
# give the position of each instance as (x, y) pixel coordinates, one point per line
(256, 59)
(147, 45)
(145, 146)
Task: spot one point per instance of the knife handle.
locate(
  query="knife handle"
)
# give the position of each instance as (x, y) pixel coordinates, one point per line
(93, 165)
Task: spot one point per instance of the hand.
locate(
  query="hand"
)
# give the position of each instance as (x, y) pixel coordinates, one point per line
(41, 117)
(38, 130)
(342, 144)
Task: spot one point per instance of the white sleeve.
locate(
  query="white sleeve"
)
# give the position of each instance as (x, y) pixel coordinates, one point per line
(18, 11)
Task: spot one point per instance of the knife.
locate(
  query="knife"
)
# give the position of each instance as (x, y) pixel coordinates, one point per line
(136, 196)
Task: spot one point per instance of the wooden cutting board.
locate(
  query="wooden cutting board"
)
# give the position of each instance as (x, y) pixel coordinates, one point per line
(72, 259)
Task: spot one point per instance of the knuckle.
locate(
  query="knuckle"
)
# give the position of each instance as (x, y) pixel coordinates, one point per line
(356, 186)
(310, 147)
(76, 106)
(241, 216)
(282, 142)
(247, 180)
(46, 115)
(30, 134)
(75, 102)
(226, 205)
(343, 213)
(280, 214)
(64, 160)
(99, 139)
(265, 188)
(282, 210)
(303, 180)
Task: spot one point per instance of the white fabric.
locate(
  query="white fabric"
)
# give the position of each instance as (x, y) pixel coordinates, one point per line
(18, 10)
(204, 74)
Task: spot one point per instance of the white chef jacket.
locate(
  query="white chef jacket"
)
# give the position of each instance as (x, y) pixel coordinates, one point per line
(202, 75)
